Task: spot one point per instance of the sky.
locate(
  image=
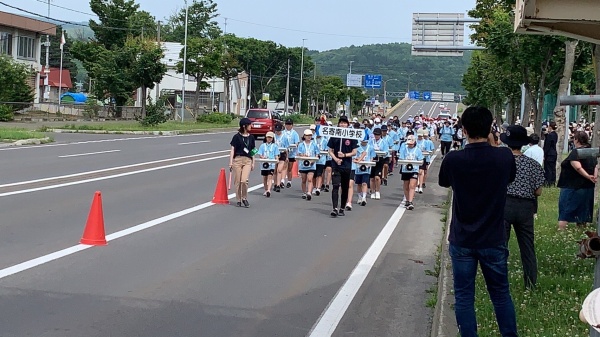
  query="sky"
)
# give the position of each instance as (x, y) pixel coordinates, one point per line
(324, 24)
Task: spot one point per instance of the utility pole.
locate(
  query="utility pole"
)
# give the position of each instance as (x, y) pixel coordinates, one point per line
(301, 77)
(250, 89)
(184, 63)
(349, 102)
(287, 90)
(46, 95)
(158, 40)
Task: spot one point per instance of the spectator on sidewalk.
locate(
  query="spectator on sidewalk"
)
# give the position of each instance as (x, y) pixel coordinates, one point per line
(550, 154)
(521, 201)
(577, 181)
(477, 231)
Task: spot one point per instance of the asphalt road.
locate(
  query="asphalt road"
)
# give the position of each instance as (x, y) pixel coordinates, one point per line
(176, 265)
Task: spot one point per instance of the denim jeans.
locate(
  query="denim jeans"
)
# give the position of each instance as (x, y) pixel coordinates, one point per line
(494, 266)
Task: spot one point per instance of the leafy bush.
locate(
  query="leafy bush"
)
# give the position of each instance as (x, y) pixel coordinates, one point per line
(6, 113)
(91, 109)
(155, 113)
(215, 118)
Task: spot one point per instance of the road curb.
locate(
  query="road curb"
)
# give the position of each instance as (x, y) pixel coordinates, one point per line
(155, 133)
(30, 141)
(444, 323)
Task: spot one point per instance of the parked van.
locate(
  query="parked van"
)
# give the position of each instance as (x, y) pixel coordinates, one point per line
(263, 121)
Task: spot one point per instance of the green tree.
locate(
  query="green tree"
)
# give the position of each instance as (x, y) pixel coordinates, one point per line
(54, 58)
(143, 24)
(230, 65)
(146, 68)
(108, 59)
(537, 58)
(201, 22)
(203, 60)
(14, 77)
(114, 21)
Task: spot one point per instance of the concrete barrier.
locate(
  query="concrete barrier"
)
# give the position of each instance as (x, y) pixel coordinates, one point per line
(397, 106)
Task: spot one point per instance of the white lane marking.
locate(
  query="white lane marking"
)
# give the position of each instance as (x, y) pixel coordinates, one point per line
(430, 114)
(88, 154)
(110, 140)
(200, 141)
(128, 231)
(79, 182)
(109, 169)
(331, 317)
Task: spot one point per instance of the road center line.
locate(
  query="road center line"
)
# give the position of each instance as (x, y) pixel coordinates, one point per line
(331, 317)
(108, 177)
(88, 154)
(110, 169)
(128, 231)
(200, 141)
(12, 148)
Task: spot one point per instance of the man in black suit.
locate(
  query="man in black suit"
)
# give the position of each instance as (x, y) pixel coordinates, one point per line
(550, 155)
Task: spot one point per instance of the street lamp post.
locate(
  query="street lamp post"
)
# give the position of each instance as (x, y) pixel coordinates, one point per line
(301, 77)
(408, 84)
(385, 105)
(184, 63)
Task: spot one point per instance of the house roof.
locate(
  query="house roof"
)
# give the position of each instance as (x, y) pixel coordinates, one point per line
(25, 23)
(54, 78)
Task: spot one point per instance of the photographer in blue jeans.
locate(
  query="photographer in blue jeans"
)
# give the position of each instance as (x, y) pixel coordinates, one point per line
(479, 176)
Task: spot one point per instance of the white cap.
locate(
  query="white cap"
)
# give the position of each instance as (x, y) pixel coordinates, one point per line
(377, 120)
(308, 132)
(355, 119)
(590, 310)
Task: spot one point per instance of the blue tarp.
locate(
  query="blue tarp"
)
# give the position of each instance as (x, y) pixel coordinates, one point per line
(76, 98)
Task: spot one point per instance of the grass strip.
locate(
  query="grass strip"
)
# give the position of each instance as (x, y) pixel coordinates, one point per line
(564, 280)
(14, 134)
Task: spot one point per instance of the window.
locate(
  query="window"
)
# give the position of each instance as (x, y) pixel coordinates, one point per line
(26, 47)
(5, 43)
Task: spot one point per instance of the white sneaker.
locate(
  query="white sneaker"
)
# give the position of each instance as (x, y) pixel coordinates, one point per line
(373, 195)
(363, 202)
(420, 190)
(377, 195)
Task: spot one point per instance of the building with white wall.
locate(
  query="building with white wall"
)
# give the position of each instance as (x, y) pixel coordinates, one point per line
(172, 86)
(21, 39)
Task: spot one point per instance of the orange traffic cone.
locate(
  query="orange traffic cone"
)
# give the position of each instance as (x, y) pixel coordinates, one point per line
(220, 196)
(295, 173)
(94, 228)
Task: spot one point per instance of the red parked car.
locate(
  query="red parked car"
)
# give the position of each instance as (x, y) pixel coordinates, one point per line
(263, 121)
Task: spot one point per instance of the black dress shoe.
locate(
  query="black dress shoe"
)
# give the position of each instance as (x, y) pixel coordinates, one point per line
(246, 203)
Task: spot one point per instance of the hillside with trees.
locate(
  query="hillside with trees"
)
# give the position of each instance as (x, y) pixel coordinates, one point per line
(394, 60)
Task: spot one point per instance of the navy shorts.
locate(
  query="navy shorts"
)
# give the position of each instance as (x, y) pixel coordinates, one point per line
(307, 171)
(328, 163)
(409, 176)
(266, 173)
(363, 178)
(320, 170)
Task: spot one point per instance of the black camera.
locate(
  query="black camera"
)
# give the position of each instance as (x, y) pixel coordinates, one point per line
(363, 168)
(306, 163)
(409, 167)
(265, 165)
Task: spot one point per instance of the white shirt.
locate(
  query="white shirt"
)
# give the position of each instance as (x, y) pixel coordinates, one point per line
(536, 153)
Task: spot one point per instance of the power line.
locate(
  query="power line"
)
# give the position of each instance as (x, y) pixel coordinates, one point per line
(63, 21)
(66, 8)
(316, 33)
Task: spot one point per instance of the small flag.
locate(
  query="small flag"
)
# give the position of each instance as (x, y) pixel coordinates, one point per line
(62, 40)
(179, 100)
